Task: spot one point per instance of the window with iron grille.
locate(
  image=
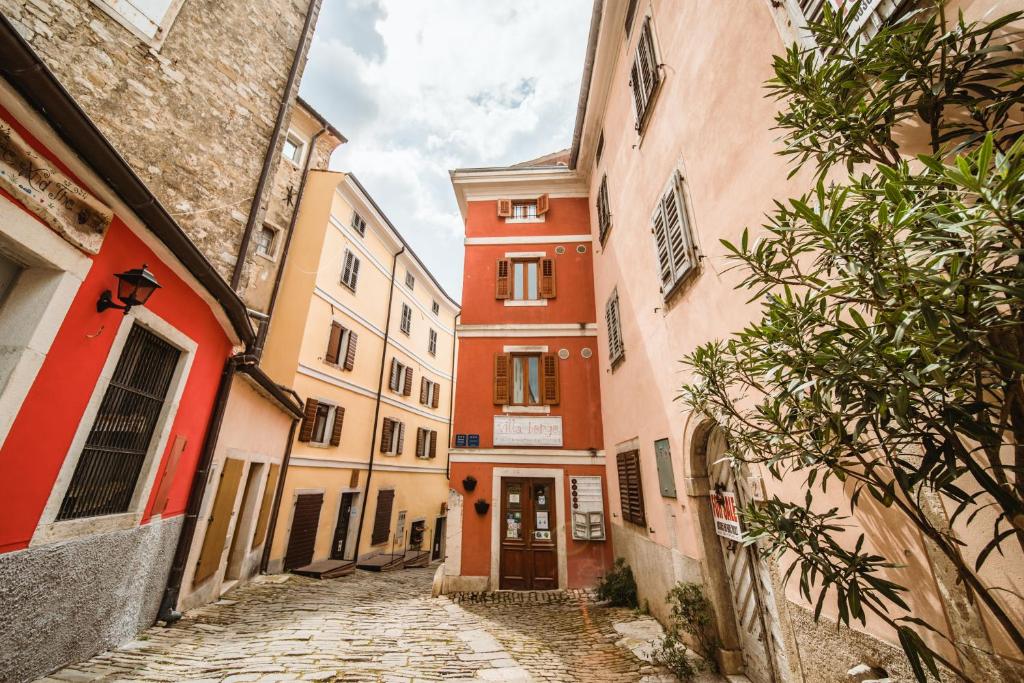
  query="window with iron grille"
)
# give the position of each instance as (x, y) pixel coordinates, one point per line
(673, 239)
(358, 223)
(406, 318)
(604, 214)
(115, 451)
(644, 77)
(616, 350)
(350, 270)
(432, 343)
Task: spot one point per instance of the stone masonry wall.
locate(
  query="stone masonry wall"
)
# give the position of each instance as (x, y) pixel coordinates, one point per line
(193, 118)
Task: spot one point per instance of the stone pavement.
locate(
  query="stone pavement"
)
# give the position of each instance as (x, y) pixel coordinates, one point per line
(377, 627)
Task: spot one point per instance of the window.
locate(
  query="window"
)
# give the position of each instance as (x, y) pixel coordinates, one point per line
(426, 443)
(400, 380)
(410, 280)
(148, 19)
(644, 77)
(616, 351)
(341, 347)
(107, 472)
(293, 148)
(358, 223)
(631, 492)
(630, 15)
(435, 308)
(266, 241)
(382, 517)
(392, 436)
(600, 149)
(406, 324)
(321, 423)
(870, 16)
(523, 210)
(527, 379)
(672, 236)
(432, 342)
(350, 270)
(525, 279)
(430, 392)
(604, 215)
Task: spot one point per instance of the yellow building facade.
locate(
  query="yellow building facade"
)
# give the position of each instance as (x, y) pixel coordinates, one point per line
(365, 335)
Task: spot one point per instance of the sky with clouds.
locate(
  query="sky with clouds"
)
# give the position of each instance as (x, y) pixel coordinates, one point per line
(420, 87)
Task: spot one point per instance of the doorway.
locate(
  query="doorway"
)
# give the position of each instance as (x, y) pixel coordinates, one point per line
(244, 523)
(302, 539)
(529, 549)
(437, 547)
(341, 532)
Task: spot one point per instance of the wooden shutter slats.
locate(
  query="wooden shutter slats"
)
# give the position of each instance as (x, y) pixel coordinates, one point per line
(350, 353)
(407, 389)
(504, 208)
(339, 420)
(547, 278)
(631, 495)
(382, 517)
(399, 436)
(308, 418)
(502, 283)
(549, 379)
(543, 204)
(386, 433)
(502, 370)
(334, 343)
(421, 439)
(437, 394)
(424, 390)
(616, 349)
(433, 444)
(393, 381)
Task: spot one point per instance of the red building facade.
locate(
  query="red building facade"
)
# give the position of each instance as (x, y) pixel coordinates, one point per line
(528, 506)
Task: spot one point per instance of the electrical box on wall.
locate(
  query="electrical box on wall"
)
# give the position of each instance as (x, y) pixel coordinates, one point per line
(587, 508)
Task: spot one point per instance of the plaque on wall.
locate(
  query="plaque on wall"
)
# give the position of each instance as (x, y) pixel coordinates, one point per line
(528, 430)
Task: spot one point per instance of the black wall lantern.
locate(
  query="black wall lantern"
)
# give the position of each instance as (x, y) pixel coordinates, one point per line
(482, 506)
(134, 287)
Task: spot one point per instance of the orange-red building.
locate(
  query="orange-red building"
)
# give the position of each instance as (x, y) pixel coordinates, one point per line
(528, 504)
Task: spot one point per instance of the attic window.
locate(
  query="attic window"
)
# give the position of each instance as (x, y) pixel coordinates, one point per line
(523, 210)
(149, 20)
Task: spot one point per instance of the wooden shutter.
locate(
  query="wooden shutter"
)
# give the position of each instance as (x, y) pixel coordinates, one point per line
(217, 528)
(305, 522)
(661, 247)
(424, 390)
(604, 216)
(387, 431)
(399, 437)
(393, 381)
(334, 343)
(350, 353)
(346, 268)
(502, 370)
(433, 444)
(504, 208)
(382, 517)
(547, 278)
(543, 203)
(549, 379)
(611, 314)
(269, 491)
(503, 281)
(675, 228)
(339, 419)
(308, 418)
(354, 277)
(631, 493)
(407, 389)
(421, 440)
(437, 394)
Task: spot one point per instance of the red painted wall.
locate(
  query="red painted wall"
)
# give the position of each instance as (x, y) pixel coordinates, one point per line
(579, 383)
(565, 216)
(39, 439)
(586, 560)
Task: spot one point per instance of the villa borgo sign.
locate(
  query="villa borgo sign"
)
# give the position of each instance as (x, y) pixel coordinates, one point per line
(527, 430)
(58, 201)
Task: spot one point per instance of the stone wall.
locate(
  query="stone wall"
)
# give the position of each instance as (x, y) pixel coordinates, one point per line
(64, 602)
(193, 118)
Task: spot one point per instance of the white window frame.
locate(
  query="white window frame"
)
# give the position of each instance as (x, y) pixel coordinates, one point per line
(428, 453)
(332, 410)
(346, 337)
(272, 254)
(300, 147)
(398, 428)
(131, 18)
(353, 272)
(402, 370)
(49, 530)
(616, 346)
(410, 280)
(406, 323)
(432, 342)
(358, 223)
(527, 219)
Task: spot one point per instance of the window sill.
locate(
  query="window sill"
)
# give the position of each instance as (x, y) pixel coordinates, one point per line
(526, 410)
(76, 528)
(526, 302)
(313, 444)
(272, 259)
(538, 219)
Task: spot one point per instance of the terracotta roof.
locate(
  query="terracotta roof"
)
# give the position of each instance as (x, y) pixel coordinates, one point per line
(559, 158)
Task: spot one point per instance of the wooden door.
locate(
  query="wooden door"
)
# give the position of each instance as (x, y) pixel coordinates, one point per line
(437, 547)
(341, 531)
(749, 580)
(302, 539)
(529, 552)
(220, 518)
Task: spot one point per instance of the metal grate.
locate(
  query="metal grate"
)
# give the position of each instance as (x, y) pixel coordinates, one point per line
(108, 470)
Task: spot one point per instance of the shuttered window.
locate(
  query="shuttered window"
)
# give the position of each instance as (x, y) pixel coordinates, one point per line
(526, 379)
(435, 307)
(604, 215)
(350, 270)
(341, 346)
(406, 324)
(400, 378)
(871, 14)
(382, 517)
(644, 77)
(358, 223)
(673, 239)
(149, 18)
(432, 342)
(429, 392)
(426, 443)
(115, 451)
(631, 492)
(630, 15)
(322, 423)
(525, 279)
(616, 349)
(410, 280)
(392, 436)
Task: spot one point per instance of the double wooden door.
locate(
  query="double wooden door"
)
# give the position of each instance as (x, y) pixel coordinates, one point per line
(529, 551)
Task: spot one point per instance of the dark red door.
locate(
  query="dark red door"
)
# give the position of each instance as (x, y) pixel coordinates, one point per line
(529, 553)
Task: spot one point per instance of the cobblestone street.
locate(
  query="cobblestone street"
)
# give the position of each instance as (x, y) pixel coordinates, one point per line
(377, 627)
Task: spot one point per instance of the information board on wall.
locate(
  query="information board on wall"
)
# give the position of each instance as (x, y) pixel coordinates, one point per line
(587, 503)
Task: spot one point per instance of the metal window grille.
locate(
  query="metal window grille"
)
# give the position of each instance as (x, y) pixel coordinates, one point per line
(108, 470)
(524, 210)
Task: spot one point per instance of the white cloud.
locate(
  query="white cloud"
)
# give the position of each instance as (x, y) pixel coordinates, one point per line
(423, 87)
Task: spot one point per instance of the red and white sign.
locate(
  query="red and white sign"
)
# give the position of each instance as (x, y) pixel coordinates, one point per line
(727, 520)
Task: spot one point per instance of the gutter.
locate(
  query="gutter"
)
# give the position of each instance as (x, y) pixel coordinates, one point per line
(37, 85)
(451, 402)
(376, 406)
(588, 76)
(305, 39)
